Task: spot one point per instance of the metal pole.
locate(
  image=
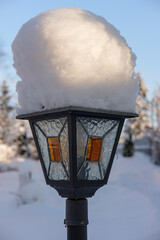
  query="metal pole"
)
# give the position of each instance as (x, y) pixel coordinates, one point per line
(76, 219)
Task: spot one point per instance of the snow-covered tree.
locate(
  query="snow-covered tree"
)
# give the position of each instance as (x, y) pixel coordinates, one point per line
(137, 127)
(23, 140)
(154, 132)
(5, 112)
(156, 108)
(140, 125)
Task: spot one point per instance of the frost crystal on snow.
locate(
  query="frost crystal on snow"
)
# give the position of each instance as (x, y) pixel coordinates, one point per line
(72, 57)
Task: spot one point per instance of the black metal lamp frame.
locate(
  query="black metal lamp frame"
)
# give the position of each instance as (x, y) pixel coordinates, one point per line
(74, 189)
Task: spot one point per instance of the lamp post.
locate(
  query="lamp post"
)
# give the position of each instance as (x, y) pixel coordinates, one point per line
(76, 147)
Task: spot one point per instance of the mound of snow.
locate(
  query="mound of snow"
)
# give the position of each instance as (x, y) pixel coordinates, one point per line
(72, 57)
(25, 174)
(29, 190)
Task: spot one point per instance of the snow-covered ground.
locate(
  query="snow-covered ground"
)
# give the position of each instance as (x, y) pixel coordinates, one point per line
(128, 208)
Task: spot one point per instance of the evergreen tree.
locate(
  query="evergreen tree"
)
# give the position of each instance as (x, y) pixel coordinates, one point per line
(5, 112)
(154, 132)
(128, 147)
(23, 140)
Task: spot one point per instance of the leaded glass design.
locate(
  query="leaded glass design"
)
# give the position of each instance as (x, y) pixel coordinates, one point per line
(94, 149)
(52, 138)
(82, 138)
(64, 144)
(95, 142)
(107, 146)
(57, 172)
(42, 140)
(54, 149)
(89, 171)
(96, 126)
(51, 127)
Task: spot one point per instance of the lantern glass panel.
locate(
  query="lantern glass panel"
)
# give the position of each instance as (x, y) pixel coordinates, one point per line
(52, 136)
(94, 149)
(107, 147)
(96, 126)
(54, 149)
(57, 172)
(51, 127)
(100, 137)
(82, 139)
(64, 145)
(43, 145)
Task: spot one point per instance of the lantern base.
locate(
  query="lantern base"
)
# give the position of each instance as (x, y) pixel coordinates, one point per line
(77, 193)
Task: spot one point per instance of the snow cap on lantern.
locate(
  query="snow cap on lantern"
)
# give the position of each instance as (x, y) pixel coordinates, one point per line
(72, 57)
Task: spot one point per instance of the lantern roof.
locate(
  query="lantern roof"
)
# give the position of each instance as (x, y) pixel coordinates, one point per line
(75, 109)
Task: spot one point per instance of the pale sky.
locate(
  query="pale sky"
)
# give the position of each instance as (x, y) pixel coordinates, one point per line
(138, 21)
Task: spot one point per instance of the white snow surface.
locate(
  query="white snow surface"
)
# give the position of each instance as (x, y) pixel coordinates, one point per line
(71, 57)
(8, 161)
(128, 208)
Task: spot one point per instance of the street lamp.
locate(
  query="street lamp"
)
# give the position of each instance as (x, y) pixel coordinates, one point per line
(76, 147)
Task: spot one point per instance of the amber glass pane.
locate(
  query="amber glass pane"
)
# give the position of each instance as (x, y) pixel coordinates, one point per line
(94, 148)
(54, 150)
